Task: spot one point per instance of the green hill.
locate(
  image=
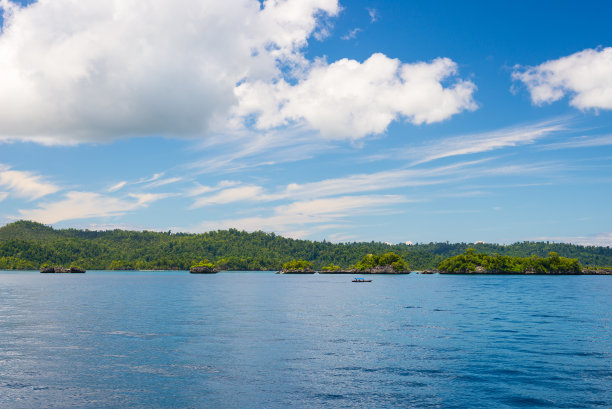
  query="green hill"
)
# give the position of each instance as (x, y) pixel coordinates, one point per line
(28, 245)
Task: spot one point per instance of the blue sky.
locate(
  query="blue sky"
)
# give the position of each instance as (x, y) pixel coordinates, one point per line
(346, 121)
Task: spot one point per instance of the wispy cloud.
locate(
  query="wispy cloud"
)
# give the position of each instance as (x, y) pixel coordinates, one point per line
(83, 205)
(351, 34)
(374, 14)
(302, 218)
(581, 142)
(231, 195)
(365, 183)
(116, 186)
(485, 142)
(230, 153)
(162, 182)
(600, 239)
(25, 184)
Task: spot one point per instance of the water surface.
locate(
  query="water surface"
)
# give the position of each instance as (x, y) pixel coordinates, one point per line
(253, 340)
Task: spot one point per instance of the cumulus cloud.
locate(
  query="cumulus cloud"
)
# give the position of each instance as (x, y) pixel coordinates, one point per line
(26, 185)
(78, 71)
(349, 99)
(75, 71)
(84, 205)
(586, 76)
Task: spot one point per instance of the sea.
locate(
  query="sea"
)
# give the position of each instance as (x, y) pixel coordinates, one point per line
(260, 340)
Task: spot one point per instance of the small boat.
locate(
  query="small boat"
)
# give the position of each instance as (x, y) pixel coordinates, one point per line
(361, 280)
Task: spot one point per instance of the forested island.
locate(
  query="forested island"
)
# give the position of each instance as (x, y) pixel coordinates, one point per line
(478, 263)
(26, 245)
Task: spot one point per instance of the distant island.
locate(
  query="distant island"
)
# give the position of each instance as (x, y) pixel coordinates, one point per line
(472, 262)
(61, 270)
(26, 245)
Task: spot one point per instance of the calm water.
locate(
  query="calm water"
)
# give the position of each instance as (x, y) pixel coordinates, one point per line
(255, 340)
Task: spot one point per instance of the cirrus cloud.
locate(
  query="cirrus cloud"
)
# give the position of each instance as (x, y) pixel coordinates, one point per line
(85, 205)
(25, 184)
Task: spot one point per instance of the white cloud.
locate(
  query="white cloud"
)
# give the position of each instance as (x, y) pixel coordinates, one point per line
(581, 142)
(3, 195)
(586, 76)
(117, 186)
(351, 34)
(301, 218)
(74, 71)
(349, 100)
(231, 195)
(83, 205)
(25, 184)
(163, 182)
(351, 184)
(199, 189)
(601, 239)
(374, 14)
(485, 142)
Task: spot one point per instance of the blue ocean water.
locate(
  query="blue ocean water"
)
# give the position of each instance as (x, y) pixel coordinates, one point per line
(259, 340)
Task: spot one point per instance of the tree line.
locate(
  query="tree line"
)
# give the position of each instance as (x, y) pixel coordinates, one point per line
(29, 245)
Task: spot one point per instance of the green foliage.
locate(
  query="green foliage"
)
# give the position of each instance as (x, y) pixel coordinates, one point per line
(471, 261)
(28, 245)
(387, 259)
(331, 267)
(203, 263)
(297, 265)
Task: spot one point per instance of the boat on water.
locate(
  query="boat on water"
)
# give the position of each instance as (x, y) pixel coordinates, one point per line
(361, 280)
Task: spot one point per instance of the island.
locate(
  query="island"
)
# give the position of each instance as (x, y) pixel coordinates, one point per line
(472, 262)
(297, 267)
(61, 270)
(203, 267)
(387, 263)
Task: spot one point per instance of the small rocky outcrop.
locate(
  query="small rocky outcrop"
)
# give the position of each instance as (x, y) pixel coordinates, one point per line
(597, 271)
(340, 271)
(372, 270)
(383, 270)
(203, 270)
(428, 272)
(62, 270)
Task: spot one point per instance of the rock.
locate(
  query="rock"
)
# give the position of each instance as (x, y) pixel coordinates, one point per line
(384, 270)
(62, 270)
(597, 271)
(428, 272)
(298, 271)
(341, 271)
(203, 270)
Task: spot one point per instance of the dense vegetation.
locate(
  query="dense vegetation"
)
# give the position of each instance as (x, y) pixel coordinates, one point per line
(297, 265)
(471, 262)
(370, 261)
(29, 245)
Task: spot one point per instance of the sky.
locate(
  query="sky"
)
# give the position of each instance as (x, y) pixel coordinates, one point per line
(327, 120)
